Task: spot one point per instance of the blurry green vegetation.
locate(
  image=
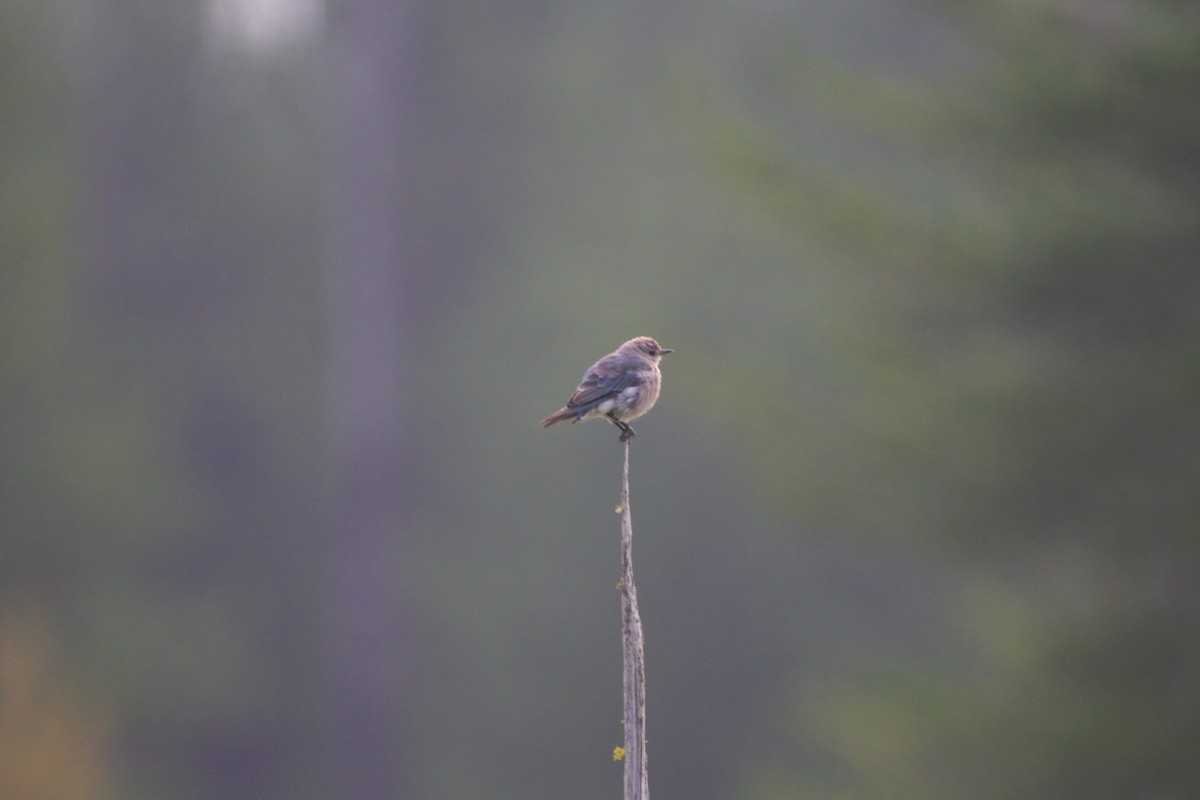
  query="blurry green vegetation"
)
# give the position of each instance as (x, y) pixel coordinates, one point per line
(1033, 408)
(917, 510)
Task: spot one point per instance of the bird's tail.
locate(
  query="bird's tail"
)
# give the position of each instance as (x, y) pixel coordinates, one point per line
(562, 415)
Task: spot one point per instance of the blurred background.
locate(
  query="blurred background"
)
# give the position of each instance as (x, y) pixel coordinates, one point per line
(286, 286)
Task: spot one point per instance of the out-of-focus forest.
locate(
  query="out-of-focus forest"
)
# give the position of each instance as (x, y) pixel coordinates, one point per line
(286, 285)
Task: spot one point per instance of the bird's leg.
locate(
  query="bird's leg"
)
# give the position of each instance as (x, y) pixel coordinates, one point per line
(627, 432)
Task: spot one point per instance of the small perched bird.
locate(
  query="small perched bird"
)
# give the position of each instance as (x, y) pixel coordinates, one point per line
(620, 387)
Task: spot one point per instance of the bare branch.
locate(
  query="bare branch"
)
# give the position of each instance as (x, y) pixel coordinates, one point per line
(636, 786)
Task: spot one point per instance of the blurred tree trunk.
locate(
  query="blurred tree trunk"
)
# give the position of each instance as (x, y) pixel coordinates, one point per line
(371, 108)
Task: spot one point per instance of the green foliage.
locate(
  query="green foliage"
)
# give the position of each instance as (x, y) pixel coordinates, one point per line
(1027, 393)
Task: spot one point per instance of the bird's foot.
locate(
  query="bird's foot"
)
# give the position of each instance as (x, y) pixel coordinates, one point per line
(626, 429)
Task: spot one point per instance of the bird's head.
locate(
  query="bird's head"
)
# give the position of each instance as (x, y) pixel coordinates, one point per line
(645, 346)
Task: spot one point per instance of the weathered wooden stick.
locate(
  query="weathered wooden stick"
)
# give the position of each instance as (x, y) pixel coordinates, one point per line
(636, 787)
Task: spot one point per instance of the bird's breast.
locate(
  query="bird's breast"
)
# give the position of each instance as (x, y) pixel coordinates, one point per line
(635, 401)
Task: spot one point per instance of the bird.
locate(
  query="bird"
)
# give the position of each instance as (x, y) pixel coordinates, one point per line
(620, 387)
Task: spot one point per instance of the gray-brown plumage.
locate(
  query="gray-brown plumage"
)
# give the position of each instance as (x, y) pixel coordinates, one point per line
(620, 387)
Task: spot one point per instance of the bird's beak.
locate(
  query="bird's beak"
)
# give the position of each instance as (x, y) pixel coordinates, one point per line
(662, 351)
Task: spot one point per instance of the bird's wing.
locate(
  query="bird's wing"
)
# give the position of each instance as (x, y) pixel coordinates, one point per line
(607, 377)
